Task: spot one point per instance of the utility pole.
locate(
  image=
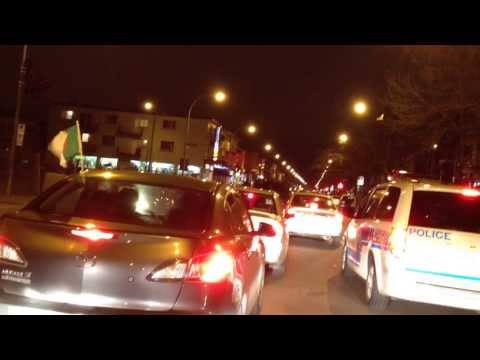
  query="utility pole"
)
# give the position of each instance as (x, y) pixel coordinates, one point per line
(21, 84)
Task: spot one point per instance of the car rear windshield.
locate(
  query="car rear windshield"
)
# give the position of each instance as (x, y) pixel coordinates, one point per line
(306, 201)
(129, 202)
(262, 202)
(443, 210)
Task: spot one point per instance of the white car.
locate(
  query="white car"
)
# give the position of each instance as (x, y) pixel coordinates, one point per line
(314, 215)
(265, 207)
(417, 240)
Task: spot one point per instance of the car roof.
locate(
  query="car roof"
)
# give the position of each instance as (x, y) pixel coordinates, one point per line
(257, 190)
(153, 179)
(310, 193)
(423, 184)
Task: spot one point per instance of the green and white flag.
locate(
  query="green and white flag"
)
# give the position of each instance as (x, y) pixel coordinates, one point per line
(66, 144)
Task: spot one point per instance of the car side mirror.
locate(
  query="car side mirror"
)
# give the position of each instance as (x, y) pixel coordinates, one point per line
(265, 229)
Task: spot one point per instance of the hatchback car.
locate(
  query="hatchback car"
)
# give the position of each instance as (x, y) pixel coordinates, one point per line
(125, 240)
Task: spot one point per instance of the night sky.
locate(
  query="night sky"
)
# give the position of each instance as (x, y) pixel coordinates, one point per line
(300, 96)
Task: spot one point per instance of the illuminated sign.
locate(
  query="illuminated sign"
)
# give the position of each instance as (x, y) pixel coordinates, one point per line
(216, 145)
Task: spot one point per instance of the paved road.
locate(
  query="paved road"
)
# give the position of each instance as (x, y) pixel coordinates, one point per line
(313, 284)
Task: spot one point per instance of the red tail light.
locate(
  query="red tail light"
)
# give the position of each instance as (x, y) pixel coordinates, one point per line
(92, 233)
(211, 268)
(250, 196)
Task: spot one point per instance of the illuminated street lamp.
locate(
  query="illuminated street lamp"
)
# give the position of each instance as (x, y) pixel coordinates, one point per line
(360, 108)
(268, 147)
(330, 161)
(277, 156)
(149, 107)
(435, 146)
(219, 96)
(284, 163)
(251, 129)
(343, 138)
(288, 167)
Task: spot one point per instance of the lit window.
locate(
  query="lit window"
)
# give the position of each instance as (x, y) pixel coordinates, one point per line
(69, 114)
(85, 137)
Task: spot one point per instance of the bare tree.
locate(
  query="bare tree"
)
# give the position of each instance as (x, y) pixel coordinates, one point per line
(433, 91)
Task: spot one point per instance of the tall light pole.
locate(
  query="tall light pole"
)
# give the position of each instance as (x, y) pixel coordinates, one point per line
(13, 144)
(219, 97)
(150, 107)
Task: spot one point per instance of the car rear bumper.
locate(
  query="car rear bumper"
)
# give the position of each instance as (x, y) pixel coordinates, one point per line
(199, 299)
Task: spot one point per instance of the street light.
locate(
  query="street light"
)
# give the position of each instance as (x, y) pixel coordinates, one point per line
(268, 147)
(277, 156)
(288, 167)
(360, 108)
(435, 146)
(343, 138)
(219, 97)
(330, 161)
(251, 129)
(148, 106)
(284, 163)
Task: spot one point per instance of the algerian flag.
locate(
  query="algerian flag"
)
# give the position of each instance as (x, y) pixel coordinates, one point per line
(66, 144)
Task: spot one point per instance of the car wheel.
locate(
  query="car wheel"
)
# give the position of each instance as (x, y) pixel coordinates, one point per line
(278, 270)
(375, 300)
(346, 271)
(336, 241)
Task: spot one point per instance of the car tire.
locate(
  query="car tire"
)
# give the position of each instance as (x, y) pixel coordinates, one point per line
(346, 271)
(375, 300)
(277, 271)
(336, 241)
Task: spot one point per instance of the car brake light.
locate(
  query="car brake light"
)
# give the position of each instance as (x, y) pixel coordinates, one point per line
(470, 192)
(8, 252)
(250, 196)
(91, 233)
(396, 241)
(211, 268)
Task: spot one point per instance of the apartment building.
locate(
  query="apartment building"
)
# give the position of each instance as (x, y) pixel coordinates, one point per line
(114, 138)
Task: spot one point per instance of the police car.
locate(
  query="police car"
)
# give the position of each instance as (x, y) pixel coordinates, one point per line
(417, 240)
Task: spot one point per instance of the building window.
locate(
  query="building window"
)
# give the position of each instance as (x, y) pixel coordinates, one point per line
(142, 123)
(169, 124)
(108, 140)
(68, 114)
(167, 146)
(112, 119)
